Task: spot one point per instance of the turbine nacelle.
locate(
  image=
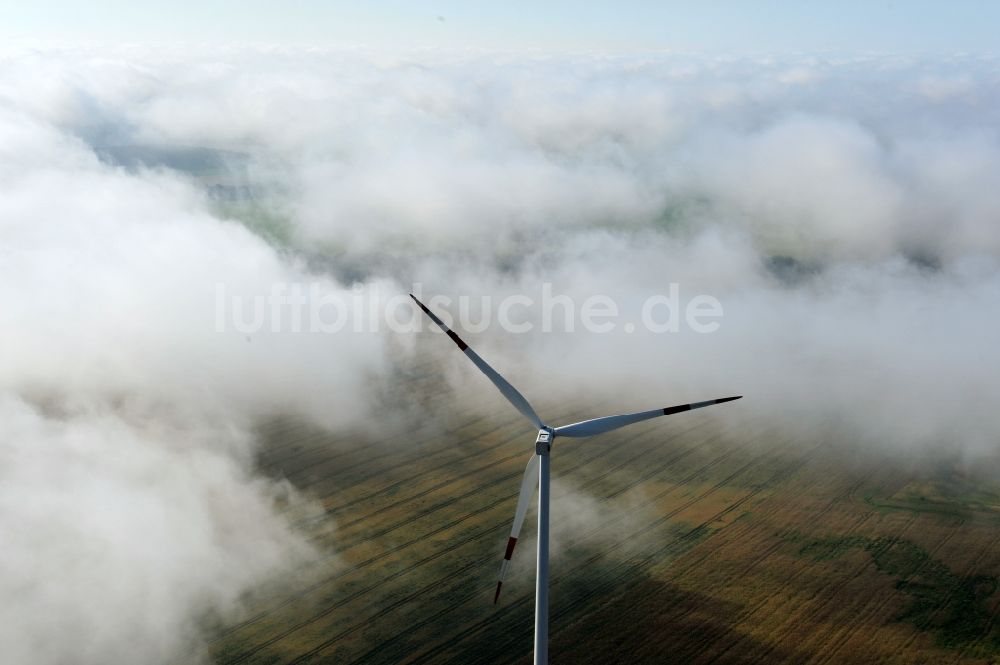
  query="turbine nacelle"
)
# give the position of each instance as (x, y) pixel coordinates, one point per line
(543, 443)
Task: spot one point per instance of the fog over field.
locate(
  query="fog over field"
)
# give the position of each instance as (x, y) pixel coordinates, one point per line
(844, 211)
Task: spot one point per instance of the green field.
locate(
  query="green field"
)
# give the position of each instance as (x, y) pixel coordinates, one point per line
(704, 537)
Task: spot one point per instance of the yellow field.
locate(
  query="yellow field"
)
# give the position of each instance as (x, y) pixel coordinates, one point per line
(703, 537)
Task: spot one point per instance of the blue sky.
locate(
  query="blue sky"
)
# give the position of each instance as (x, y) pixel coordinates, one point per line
(913, 26)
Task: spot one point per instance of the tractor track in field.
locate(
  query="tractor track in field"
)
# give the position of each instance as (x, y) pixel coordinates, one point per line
(594, 454)
(347, 571)
(412, 454)
(409, 480)
(973, 566)
(343, 507)
(616, 582)
(317, 434)
(440, 505)
(449, 443)
(832, 643)
(499, 462)
(273, 456)
(409, 461)
(739, 530)
(873, 611)
(436, 649)
(307, 441)
(989, 629)
(314, 586)
(362, 592)
(622, 570)
(702, 638)
(750, 612)
(986, 633)
(824, 592)
(944, 602)
(371, 560)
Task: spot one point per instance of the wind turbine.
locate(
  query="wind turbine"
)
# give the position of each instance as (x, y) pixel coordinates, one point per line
(537, 471)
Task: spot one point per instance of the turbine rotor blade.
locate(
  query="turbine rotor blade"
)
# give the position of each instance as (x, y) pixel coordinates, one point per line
(608, 423)
(507, 390)
(528, 484)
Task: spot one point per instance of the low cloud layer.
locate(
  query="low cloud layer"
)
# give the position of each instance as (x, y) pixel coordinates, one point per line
(129, 504)
(121, 533)
(843, 211)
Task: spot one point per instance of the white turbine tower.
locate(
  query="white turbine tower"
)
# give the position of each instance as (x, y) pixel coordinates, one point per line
(537, 471)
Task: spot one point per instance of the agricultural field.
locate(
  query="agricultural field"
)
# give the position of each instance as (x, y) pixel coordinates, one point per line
(704, 537)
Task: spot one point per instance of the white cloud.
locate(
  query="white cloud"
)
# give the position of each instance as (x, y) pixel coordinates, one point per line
(122, 533)
(129, 505)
